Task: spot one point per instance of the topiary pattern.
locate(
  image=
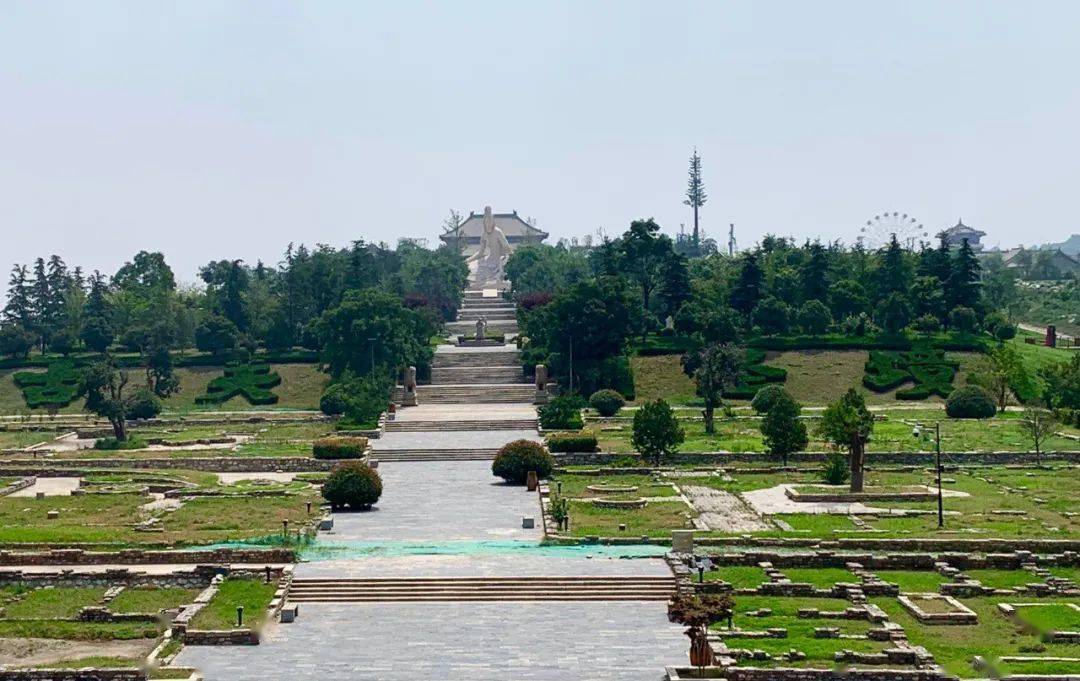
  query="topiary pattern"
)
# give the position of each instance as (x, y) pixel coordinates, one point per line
(253, 381)
(56, 388)
(970, 402)
(925, 366)
(755, 374)
(606, 402)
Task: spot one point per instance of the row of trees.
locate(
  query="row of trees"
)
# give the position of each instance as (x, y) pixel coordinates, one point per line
(141, 309)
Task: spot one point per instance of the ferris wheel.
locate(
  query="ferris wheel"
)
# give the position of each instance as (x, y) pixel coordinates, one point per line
(878, 231)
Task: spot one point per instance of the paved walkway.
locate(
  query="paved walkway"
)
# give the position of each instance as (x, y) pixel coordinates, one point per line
(461, 439)
(620, 641)
(466, 412)
(50, 487)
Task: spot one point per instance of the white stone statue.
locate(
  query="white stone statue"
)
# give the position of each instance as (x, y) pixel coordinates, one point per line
(492, 255)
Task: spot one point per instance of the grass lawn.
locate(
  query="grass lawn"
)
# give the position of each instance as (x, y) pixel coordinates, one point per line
(739, 576)
(220, 613)
(657, 519)
(97, 662)
(110, 519)
(823, 578)
(661, 376)
(994, 636)
(575, 485)
(1036, 357)
(17, 439)
(1051, 616)
(300, 388)
(78, 631)
(914, 581)
(1003, 579)
(151, 599)
(52, 603)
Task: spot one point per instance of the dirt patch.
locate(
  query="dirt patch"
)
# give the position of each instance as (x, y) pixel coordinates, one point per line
(25, 652)
(723, 511)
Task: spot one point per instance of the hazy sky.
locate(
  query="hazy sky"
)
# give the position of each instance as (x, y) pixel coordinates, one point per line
(212, 129)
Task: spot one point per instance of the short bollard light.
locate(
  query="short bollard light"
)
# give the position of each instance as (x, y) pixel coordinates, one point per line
(239, 616)
(558, 487)
(309, 508)
(701, 574)
(267, 574)
(285, 528)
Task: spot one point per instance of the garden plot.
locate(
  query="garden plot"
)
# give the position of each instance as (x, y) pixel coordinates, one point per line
(50, 487)
(723, 511)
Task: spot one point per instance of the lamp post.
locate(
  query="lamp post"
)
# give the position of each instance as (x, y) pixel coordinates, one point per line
(917, 432)
(571, 364)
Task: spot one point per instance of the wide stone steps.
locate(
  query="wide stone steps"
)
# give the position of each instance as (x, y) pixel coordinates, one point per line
(492, 313)
(391, 455)
(479, 393)
(436, 426)
(501, 358)
(482, 589)
(494, 326)
(478, 374)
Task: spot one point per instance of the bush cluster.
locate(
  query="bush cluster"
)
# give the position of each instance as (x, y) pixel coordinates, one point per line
(56, 388)
(112, 444)
(606, 402)
(970, 402)
(359, 399)
(561, 413)
(339, 447)
(353, 484)
(572, 442)
(767, 397)
(517, 458)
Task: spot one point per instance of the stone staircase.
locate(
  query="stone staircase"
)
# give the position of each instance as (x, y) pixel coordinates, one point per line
(467, 314)
(429, 589)
(477, 374)
(407, 455)
(491, 424)
(475, 393)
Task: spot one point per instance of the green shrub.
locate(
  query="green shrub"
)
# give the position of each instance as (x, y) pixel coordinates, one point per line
(361, 399)
(766, 397)
(970, 402)
(144, 404)
(339, 447)
(334, 400)
(577, 442)
(561, 413)
(517, 458)
(112, 444)
(606, 402)
(253, 381)
(754, 375)
(837, 469)
(353, 484)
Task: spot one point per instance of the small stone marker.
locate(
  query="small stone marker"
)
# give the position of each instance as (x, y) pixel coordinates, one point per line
(374, 463)
(532, 481)
(622, 527)
(39, 495)
(288, 614)
(528, 522)
(52, 515)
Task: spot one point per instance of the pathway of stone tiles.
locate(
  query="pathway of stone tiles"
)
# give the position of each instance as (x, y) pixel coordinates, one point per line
(466, 412)
(441, 500)
(617, 641)
(462, 439)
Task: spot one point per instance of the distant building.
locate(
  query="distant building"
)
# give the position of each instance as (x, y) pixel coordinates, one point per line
(955, 235)
(467, 236)
(1039, 264)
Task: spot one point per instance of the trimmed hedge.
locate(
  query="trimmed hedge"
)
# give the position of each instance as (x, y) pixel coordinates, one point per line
(923, 365)
(666, 345)
(755, 374)
(951, 342)
(56, 388)
(354, 484)
(970, 402)
(561, 413)
(607, 402)
(517, 458)
(252, 381)
(567, 442)
(131, 360)
(341, 447)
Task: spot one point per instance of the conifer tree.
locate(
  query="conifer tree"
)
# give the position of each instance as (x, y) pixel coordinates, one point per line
(962, 289)
(814, 275)
(748, 289)
(695, 193)
(19, 309)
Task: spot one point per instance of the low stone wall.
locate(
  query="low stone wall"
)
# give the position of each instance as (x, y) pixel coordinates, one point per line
(72, 675)
(212, 464)
(893, 561)
(227, 637)
(798, 674)
(22, 483)
(196, 578)
(144, 557)
(875, 458)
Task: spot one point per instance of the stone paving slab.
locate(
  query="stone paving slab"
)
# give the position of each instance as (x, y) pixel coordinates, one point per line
(620, 641)
(441, 500)
(50, 487)
(458, 439)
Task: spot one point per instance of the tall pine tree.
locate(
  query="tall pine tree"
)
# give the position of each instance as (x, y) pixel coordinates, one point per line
(19, 309)
(962, 289)
(748, 289)
(695, 193)
(814, 274)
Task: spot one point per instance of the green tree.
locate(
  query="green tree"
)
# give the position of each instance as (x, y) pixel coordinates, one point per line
(847, 423)
(644, 251)
(695, 193)
(814, 317)
(748, 289)
(894, 314)
(847, 298)
(19, 309)
(372, 328)
(539, 268)
(1062, 383)
(104, 388)
(893, 274)
(962, 288)
(15, 341)
(216, 334)
(97, 331)
(782, 430)
(963, 320)
(1000, 370)
(1039, 425)
(773, 316)
(714, 369)
(674, 284)
(656, 431)
(815, 273)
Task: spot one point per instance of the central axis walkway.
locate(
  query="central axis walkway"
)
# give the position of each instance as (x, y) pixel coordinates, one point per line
(440, 581)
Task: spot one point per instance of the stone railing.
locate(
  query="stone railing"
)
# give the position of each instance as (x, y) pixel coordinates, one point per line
(144, 557)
